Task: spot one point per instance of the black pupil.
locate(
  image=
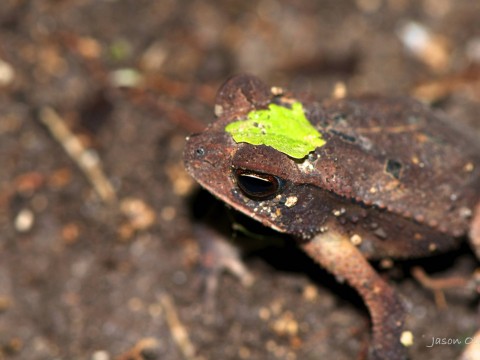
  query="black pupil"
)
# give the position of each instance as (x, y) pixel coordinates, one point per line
(258, 186)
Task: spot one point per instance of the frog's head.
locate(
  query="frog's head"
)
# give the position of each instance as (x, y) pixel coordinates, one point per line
(257, 180)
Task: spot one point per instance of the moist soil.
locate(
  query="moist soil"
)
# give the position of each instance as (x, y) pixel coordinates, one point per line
(86, 274)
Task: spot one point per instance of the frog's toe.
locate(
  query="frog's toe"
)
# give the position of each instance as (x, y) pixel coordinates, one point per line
(439, 284)
(475, 231)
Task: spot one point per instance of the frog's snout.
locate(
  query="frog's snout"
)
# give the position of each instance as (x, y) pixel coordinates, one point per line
(200, 155)
(194, 148)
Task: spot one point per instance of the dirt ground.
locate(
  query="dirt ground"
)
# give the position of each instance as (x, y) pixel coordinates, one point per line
(99, 262)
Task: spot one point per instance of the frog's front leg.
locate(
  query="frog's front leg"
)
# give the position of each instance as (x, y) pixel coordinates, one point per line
(217, 255)
(334, 251)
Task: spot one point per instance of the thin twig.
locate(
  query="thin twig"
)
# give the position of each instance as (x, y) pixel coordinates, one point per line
(86, 159)
(179, 333)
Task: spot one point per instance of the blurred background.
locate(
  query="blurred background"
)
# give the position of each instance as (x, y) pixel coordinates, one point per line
(98, 260)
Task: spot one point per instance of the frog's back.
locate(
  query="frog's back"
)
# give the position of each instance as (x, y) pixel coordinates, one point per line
(399, 155)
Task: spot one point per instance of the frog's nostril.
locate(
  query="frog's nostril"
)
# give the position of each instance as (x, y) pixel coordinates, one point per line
(200, 152)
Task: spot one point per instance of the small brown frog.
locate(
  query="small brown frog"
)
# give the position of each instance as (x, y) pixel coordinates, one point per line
(393, 179)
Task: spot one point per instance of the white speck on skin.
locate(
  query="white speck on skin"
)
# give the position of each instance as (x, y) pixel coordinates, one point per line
(338, 212)
(306, 167)
(291, 201)
(218, 110)
(356, 239)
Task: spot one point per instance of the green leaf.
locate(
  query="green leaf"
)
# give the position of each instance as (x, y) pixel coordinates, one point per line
(286, 130)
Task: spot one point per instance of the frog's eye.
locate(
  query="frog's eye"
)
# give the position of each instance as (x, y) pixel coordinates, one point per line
(258, 186)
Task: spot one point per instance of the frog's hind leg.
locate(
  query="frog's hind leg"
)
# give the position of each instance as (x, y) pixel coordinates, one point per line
(335, 252)
(472, 352)
(475, 231)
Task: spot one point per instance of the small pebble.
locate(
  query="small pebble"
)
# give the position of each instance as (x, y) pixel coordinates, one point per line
(24, 220)
(100, 355)
(406, 338)
(126, 78)
(7, 74)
